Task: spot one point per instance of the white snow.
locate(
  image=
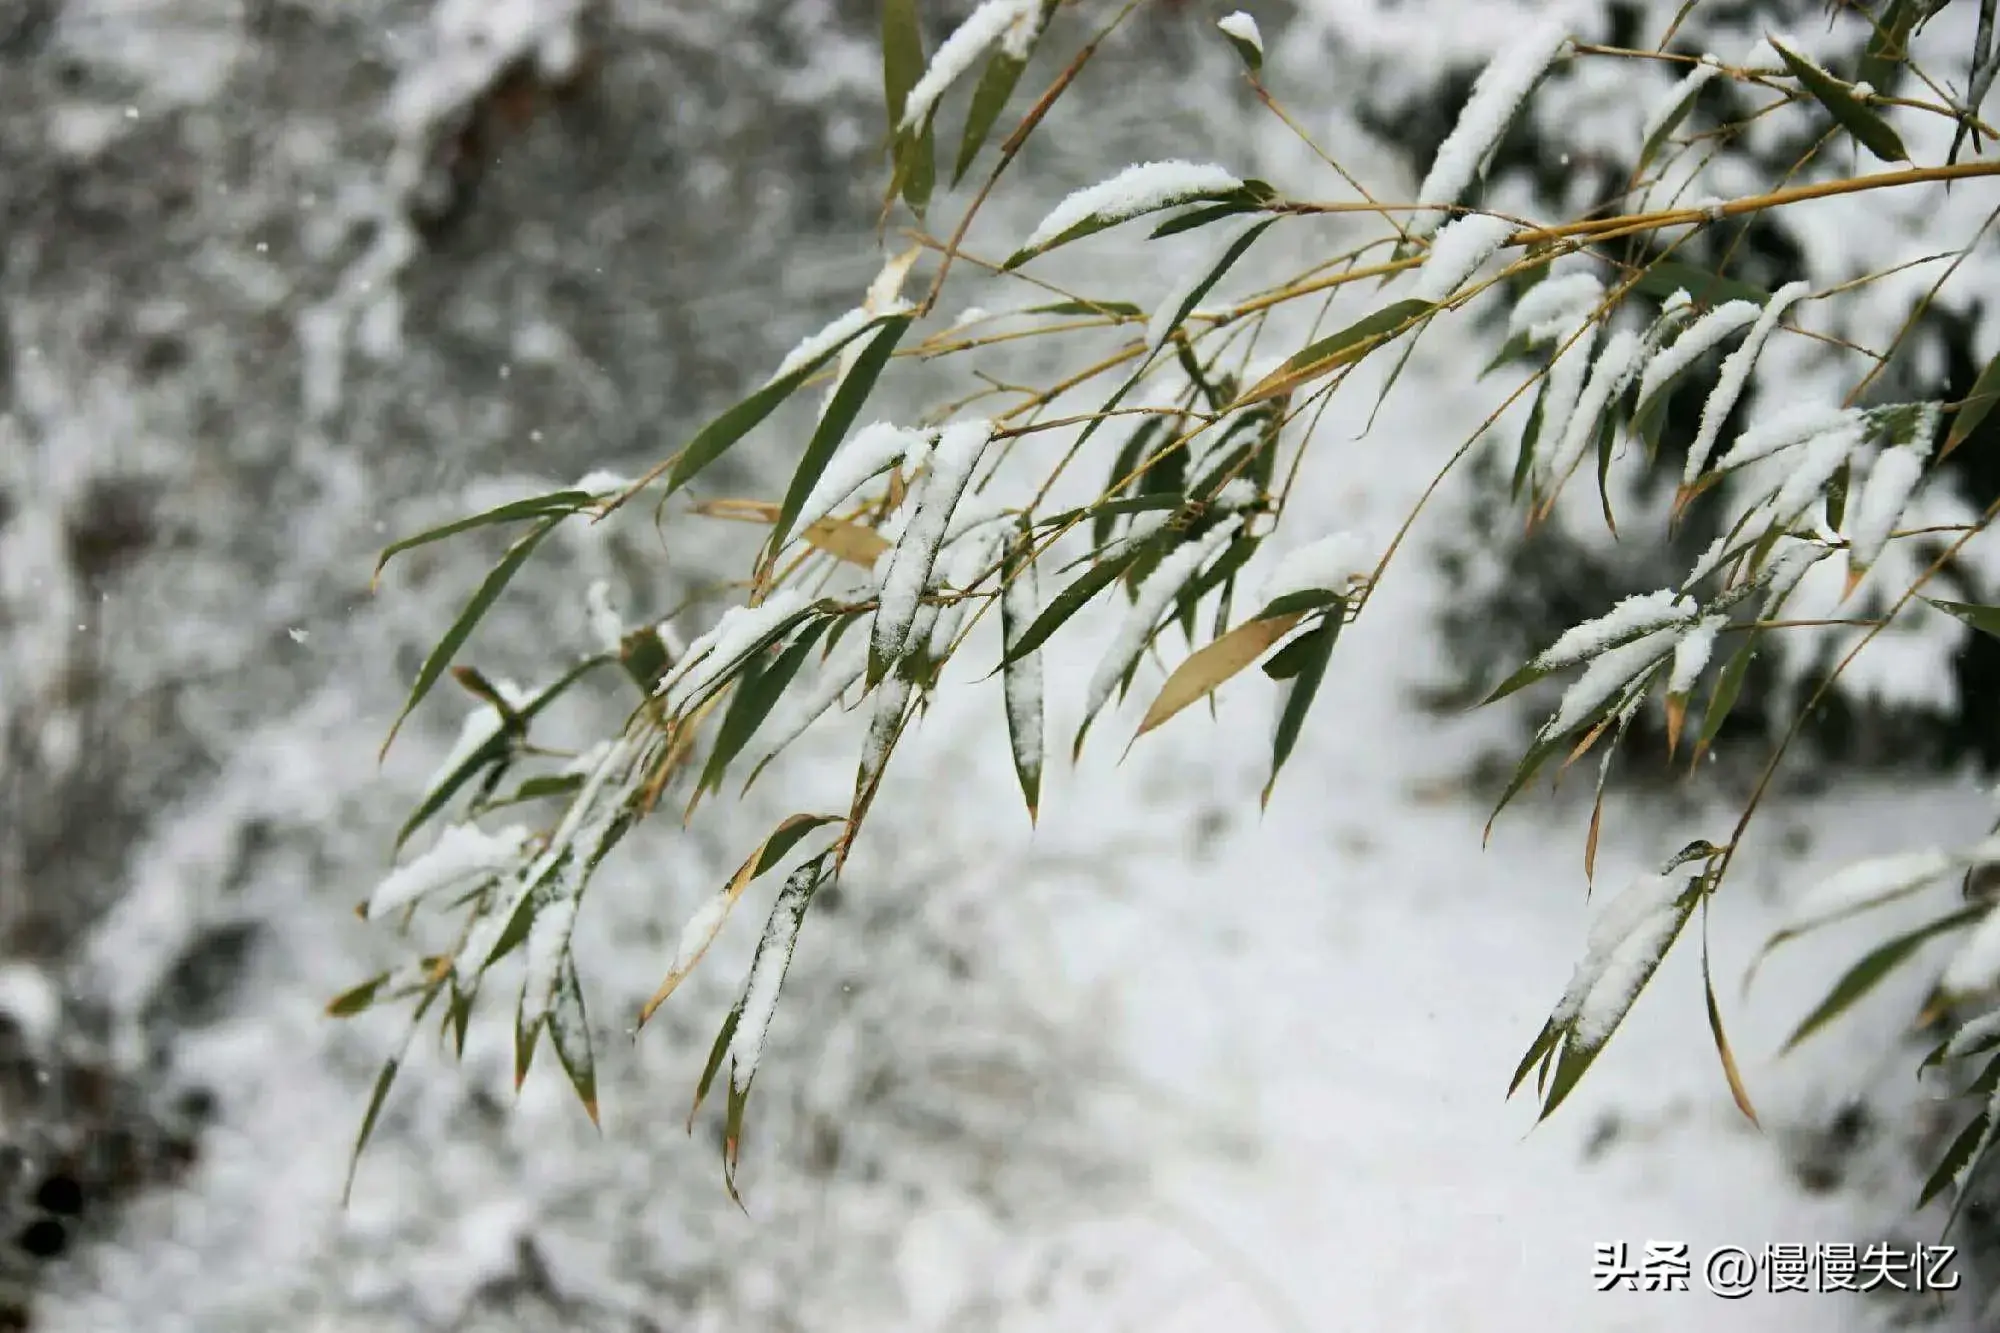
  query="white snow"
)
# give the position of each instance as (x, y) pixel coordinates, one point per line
(1457, 251)
(1329, 564)
(1692, 652)
(1496, 95)
(1870, 883)
(1135, 190)
(890, 702)
(1884, 497)
(1154, 596)
(1695, 341)
(1020, 602)
(548, 942)
(834, 679)
(1789, 563)
(1243, 28)
(1814, 469)
(767, 975)
(1681, 95)
(1782, 430)
(957, 53)
(1236, 493)
(1975, 968)
(606, 629)
(1561, 389)
(1638, 614)
(1559, 301)
(31, 998)
(833, 335)
(711, 656)
(908, 574)
(1735, 375)
(1608, 673)
(1975, 1033)
(462, 852)
(972, 560)
(481, 724)
(602, 483)
(1626, 937)
(1612, 371)
(873, 450)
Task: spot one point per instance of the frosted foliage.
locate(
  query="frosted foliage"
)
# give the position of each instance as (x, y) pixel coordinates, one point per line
(1734, 376)
(462, 853)
(873, 450)
(1635, 615)
(1155, 595)
(1496, 95)
(989, 23)
(1790, 427)
(1608, 674)
(1329, 564)
(767, 976)
(712, 656)
(1243, 28)
(908, 572)
(548, 943)
(1562, 388)
(1870, 883)
(1135, 190)
(1884, 497)
(1560, 301)
(1682, 94)
(1626, 941)
(1691, 654)
(1457, 251)
(1695, 341)
(1975, 968)
(1608, 377)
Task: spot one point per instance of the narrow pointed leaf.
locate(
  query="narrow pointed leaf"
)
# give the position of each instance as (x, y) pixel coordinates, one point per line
(356, 999)
(1888, 45)
(1543, 1046)
(989, 99)
(756, 695)
(461, 629)
(1973, 410)
(1203, 216)
(833, 426)
(1955, 1159)
(1335, 350)
(1067, 603)
(1299, 699)
(1233, 252)
(720, 1048)
(1663, 277)
(1022, 684)
(1124, 309)
(539, 506)
(379, 1094)
(1985, 619)
(1201, 674)
(1730, 1072)
(569, 1032)
(1245, 194)
(1872, 969)
(1868, 128)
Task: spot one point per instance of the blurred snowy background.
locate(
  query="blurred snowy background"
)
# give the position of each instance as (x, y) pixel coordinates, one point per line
(285, 279)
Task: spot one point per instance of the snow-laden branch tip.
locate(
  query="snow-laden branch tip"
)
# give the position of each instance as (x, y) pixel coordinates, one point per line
(1625, 944)
(1135, 190)
(461, 853)
(1457, 251)
(1556, 303)
(909, 563)
(1695, 340)
(1611, 671)
(1613, 370)
(1679, 98)
(1691, 654)
(767, 974)
(1884, 497)
(1783, 430)
(993, 20)
(833, 335)
(1735, 375)
(711, 656)
(1639, 614)
(1496, 95)
(1243, 28)
(873, 450)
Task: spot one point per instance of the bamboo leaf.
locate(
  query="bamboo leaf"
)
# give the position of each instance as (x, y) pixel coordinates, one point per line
(1956, 1158)
(379, 1094)
(1663, 277)
(1678, 113)
(833, 426)
(1242, 198)
(1985, 619)
(353, 1001)
(569, 1031)
(1231, 253)
(756, 695)
(1868, 128)
(1337, 349)
(989, 99)
(715, 439)
(1888, 45)
(1195, 218)
(720, 1048)
(1021, 686)
(1201, 674)
(1121, 309)
(1730, 1072)
(1067, 603)
(461, 629)
(1872, 969)
(1970, 412)
(1539, 1051)
(1299, 698)
(539, 506)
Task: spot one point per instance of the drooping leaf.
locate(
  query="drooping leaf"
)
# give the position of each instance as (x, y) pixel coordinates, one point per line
(1524, 458)
(1137, 446)
(1956, 1159)
(1689, 92)
(1205, 671)
(1973, 410)
(1335, 350)
(757, 693)
(1299, 697)
(461, 629)
(1022, 684)
(1663, 277)
(356, 999)
(902, 66)
(1247, 194)
(1888, 45)
(724, 1035)
(1730, 1072)
(715, 439)
(379, 1094)
(1854, 116)
(569, 1032)
(989, 99)
(539, 506)
(1985, 619)
(1202, 216)
(1122, 309)
(1539, 1051)
(1873, 968)
(1067, 603)
(1233, 252)
(833, 426)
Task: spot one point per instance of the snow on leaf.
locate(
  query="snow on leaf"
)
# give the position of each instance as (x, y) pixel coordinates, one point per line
(460, 853)
(908, 573)
(710, 657)
(1330, 564)
(873, 450)
(1557, 302)
(1625, 944)
(1561, 390)
(548, 945)
(987, 24)
(606, 629)
(1810, 474)
(1021, 680)
(1864, 885)
(835, 678)
(1731, 380)
(1496, 95)
(1155, 595)
(1692, 652)
(759, 1002)
(1975, 968)
(1884, 496)
(1459, 248)
(1241, 30)
(1608, 673)
(1200, 280)
(1614, 369)
(1133, 191)
(972, 560)
(1793, 426)
(1694, 342)
(1673, 109)
(1631, 618)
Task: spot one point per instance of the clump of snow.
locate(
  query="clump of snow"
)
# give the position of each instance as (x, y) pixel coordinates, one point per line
(1696, 340)
(1496, 95)
(1792, 426)
(1614, 369)
(1692, 652)
(908, 573)
(606, 628)
(1870, 883)
(31, 998)
(875, 449)
(1677, 100)
(711, 656)
(1135, 190)
(822, 344)
(1735, 375)
(1236, 493)
(1638, 614)
(1243, 28)
(1554, 304)
(986, 25)
(1625, 943)
(1814, 469)
(1562, 388)
(600, 482)
(1329, 564)
(1460, 247)
(1883, 498)
(1609, 672)
(548, 942)
(461, 853)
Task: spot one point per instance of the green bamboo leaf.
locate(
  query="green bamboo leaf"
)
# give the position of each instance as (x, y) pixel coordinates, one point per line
(1970, 412)
(1299, 699)
(380, 1093)
(1956, 1158)
(1233, 252)
(539, 788)
(1122, 309)
(1335, 350)
(1137, 446)
(1868, 128)
(569, 1032)
(1728, 685)
(757, 693)
(1022, 684)
(754, 652)
(539, 506)
(1067, 603)
(833, 426)
(1577, 1057)
(1298, 655)
(716, 1051)
(902, 65)
(353, 1001)
(1663, 277)
(497, 748)
(1513, 349)
(1194, 218)
(1870, 971)
(715, 439)
(989, 99)
(461, 628)
(1530, 435)
(1888, 45)
(1539, 1051)
(1985, 619)
(1678, 113)
(1246, 196)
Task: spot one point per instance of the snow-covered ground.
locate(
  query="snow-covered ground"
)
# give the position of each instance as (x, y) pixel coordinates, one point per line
(1261, 1056)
